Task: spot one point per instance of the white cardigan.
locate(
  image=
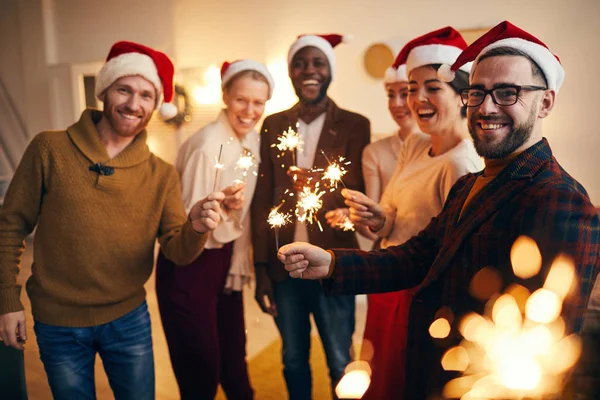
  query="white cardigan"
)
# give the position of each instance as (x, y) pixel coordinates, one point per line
(195, 163)
(420, 184)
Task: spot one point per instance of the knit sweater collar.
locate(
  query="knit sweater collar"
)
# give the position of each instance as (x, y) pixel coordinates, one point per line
(85, 136)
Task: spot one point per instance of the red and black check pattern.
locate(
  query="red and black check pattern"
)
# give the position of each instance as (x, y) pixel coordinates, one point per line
(533, 196)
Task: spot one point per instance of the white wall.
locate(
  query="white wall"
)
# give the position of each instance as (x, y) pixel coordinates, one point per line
(210, 33)
(199, 33)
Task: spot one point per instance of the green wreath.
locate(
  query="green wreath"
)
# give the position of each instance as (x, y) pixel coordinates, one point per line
(182, 101)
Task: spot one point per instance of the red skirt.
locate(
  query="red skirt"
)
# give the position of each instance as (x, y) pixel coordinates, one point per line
(386, 330)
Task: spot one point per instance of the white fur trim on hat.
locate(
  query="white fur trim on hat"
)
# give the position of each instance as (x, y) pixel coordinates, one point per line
(128, 64)
(393, 75)
(552, 69)
(168, 110)
(248, 65)
(314, 41)
(433, 54)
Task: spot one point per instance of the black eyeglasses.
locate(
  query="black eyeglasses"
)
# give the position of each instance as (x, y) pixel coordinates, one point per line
(502, 96)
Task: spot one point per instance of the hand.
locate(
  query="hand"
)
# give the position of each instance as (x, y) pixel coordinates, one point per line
(264, 289)
(12, 329)
(363, 210)
(303, 177)
(234, 196)
(204, 215)
(303, 260)
(336, 217)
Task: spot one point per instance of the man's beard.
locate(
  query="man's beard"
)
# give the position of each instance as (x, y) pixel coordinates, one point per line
(109, 111)
(507, 145)
(320, 96)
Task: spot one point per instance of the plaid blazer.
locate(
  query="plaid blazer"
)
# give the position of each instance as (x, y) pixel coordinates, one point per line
(344, 134)
(532, 196)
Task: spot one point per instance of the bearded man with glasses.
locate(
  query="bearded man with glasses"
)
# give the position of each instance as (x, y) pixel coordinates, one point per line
(523, 191)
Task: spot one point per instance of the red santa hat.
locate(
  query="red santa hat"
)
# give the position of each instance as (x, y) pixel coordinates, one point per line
(325, 43)
(438, 47)
(506, 34)
(130, 59)
(229, 70)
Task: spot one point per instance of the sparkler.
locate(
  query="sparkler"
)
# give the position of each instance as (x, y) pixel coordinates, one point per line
(277, 220)
(309, 204)
(218, 167)
(245, 162)
(518, 349)
(335, 171)
(346, 225)
(289, 140)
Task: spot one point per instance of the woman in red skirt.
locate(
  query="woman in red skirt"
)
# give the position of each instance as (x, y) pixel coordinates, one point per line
(429, 163)
(201, 304)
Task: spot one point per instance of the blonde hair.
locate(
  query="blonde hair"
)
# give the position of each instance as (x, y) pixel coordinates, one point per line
(257, 76)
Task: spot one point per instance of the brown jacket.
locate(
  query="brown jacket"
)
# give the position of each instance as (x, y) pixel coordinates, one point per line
(344, 134)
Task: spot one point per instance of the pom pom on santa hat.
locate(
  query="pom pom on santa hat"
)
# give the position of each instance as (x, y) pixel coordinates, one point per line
(325, 43)
(130, 59)
(442, 46)
(229, 70)
(506, 34)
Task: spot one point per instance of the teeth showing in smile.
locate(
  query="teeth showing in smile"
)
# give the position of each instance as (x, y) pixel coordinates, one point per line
(310, 82)
(129, 116)
(246, 120)
(425, 112)
(491, 126)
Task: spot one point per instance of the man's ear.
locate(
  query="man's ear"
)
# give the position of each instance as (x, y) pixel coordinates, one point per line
(547, 103)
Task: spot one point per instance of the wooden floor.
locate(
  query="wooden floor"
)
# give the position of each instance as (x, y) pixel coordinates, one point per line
(260, 328)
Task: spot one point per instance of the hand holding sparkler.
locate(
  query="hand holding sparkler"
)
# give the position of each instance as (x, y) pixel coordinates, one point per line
(363, 210)
(205, 214)
(234, 196)
(303, 177)
(339, 219)
(304, 260)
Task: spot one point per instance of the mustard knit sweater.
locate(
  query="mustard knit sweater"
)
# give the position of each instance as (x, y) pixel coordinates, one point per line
(94, 243)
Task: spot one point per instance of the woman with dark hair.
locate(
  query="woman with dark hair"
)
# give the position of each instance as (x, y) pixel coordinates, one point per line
(201, 304)
(428, 165)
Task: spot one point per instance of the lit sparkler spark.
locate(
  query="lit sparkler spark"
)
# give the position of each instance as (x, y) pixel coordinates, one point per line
(309, 204)
(276, 220)
(335, 171)
(289, 140)
(245, 162)
(346, 225)
(520, 349)
(334, 174)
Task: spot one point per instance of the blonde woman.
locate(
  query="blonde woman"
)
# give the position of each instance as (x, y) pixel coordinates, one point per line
(201, 303)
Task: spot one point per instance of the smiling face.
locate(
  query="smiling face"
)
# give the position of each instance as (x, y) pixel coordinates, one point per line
(245, 99)
(434, 104)
(128, 105)
(499, 131)
(397, 94)
(310, 74)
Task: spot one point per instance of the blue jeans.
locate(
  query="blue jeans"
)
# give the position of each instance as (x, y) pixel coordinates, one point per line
(296, 299)
(124, 345)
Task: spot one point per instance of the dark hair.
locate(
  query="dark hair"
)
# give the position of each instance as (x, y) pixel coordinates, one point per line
(460, 82)
(536, 71)
(257, 76)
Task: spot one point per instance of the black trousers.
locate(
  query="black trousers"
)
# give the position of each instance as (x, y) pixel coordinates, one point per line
(12, 373)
